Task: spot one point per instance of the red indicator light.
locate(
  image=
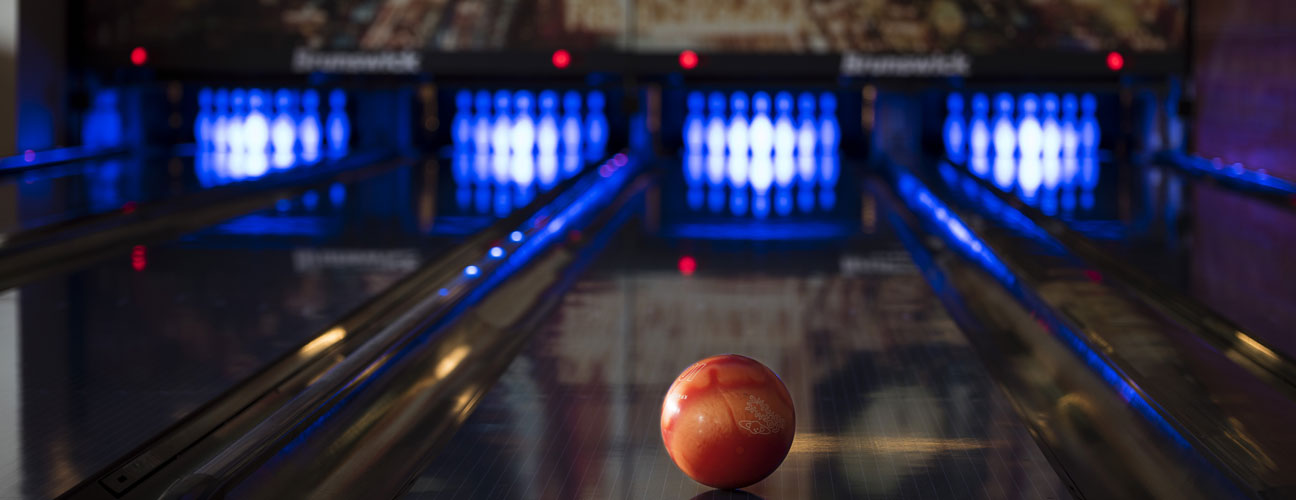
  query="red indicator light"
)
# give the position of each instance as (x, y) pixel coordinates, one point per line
(128, 207)
(1093, 275)
(139, 260)
(688, 59)
(1115, 61)
(561, 59)
(139, 56)
(29, 156)
(687, 265)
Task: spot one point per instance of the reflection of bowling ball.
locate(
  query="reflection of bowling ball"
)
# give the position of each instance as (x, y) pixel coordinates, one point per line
(727, 421)
(726, 495)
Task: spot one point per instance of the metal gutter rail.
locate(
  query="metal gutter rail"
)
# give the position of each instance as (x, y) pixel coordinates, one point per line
(1107, 437)
(410, 332)
(1253, 183)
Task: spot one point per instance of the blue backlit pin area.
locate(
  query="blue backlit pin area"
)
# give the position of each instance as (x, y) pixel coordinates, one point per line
(1041, 147)
(508, 145)
(761, 154)
(243, 134)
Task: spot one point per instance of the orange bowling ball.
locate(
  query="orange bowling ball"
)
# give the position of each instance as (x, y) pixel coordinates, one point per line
(728, 421)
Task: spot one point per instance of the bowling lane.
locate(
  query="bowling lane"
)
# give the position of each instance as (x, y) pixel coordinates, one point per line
(1181, 230)
(108, 356)
(891, 399)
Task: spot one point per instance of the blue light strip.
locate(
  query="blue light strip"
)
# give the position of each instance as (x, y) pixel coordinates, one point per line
(1234, 175)
(938, 216)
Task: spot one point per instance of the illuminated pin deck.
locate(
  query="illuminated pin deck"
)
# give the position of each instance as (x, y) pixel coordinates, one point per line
(509, 146)
(244, 134)
(759, 154)
(1044, 148)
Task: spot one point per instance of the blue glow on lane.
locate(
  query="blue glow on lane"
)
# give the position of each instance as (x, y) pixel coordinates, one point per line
(971, 246)
(955, 129)
(515, 236)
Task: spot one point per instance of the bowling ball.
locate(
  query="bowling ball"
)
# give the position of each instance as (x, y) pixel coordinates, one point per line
(727, 421)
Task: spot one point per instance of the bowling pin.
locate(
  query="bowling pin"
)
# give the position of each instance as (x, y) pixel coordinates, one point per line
(571, 124)
(1005, 135)
(736, 130)
(220, 121)
(829, 130)
(1029, 132)
(979, 137)
(1089, 135)
(1051, 142)
(807, 139)
(736, 139)
(784, 131)
(715, 127)
(256, 127)
(596, 126)
(309, 129)
(1070, 127)
(283, 129)
(339, 125)
(954, 130)
(461, 126)
(694, 128)
(547, 127)
(501, 137)
(256, 134)
(522, 137)
(806, 126)
(502, 123)
(761, 135)
(234, 126)
(203, 121)
(481, 124)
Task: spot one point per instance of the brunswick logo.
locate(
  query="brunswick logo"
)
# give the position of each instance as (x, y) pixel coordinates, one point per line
(395, 62)
(899, 65)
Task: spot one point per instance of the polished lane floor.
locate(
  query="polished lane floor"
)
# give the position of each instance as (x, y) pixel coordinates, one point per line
(891, 400)
(108, 356)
